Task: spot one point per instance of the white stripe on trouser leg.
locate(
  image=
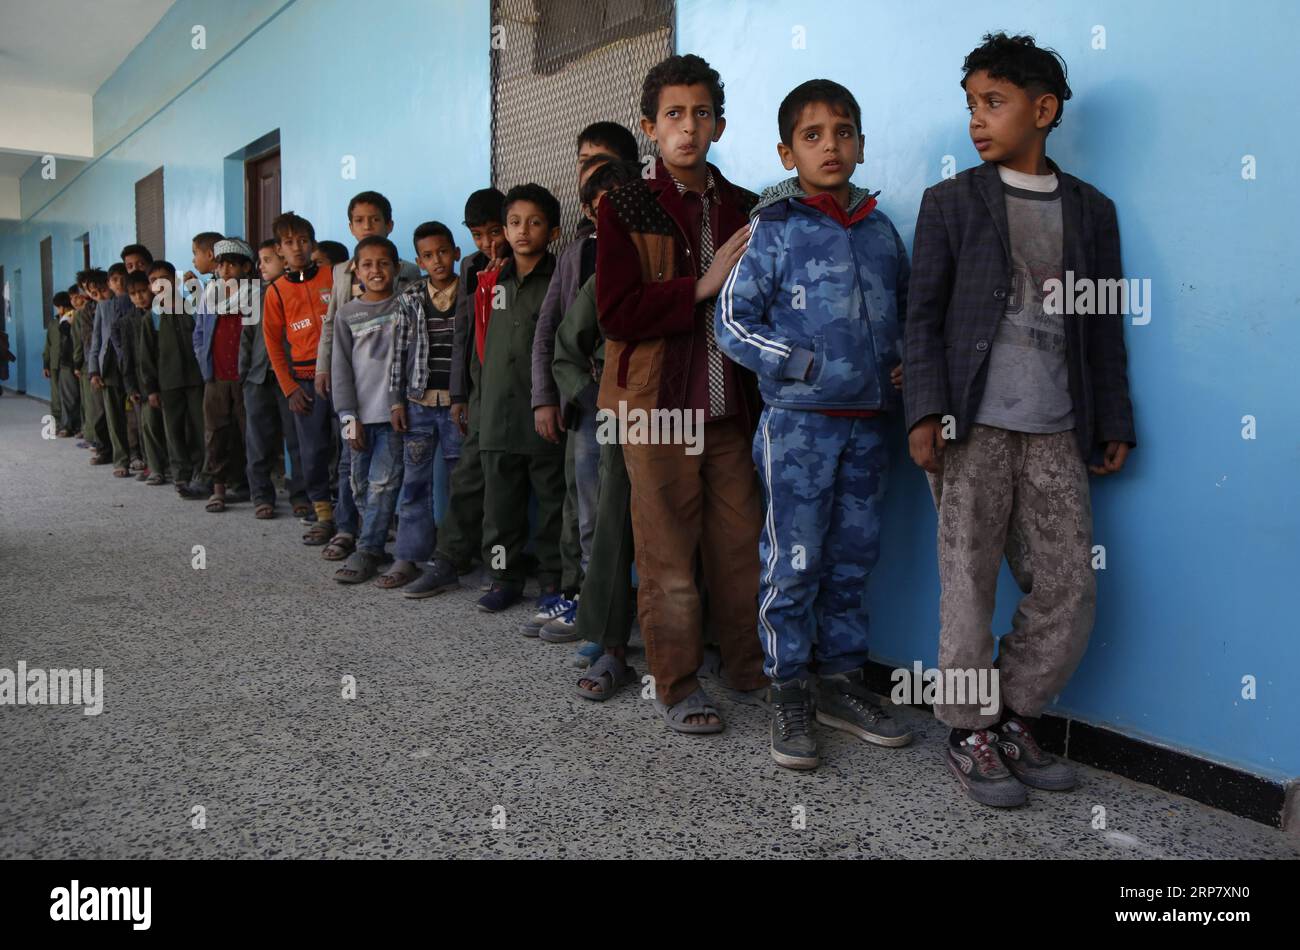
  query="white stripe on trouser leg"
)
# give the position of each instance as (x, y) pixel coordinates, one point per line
(770, 526)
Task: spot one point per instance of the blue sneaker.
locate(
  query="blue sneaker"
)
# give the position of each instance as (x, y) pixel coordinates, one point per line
(549, 606)
(499, 598)
(564, 628)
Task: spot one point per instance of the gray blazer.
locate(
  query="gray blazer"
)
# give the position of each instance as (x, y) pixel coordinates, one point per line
(565, 284)
(961, 274)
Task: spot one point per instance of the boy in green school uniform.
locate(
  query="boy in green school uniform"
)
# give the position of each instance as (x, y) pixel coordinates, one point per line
(51, 361)
(141, 338)
(175, 376)
(106, 370)
(515, 458)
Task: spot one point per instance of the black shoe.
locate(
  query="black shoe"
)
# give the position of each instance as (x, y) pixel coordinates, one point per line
(438, 577)
(793, 743)
(982, 773)
(499, 598)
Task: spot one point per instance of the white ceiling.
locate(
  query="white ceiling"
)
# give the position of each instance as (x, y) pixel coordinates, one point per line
(71, 45)
(54, 55)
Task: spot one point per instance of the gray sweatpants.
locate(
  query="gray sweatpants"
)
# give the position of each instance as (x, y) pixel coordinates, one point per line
(1024, 496)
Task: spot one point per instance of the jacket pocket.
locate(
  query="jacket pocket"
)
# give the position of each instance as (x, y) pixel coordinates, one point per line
(643, 364)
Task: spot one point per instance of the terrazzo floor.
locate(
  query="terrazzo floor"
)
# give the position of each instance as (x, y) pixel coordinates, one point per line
(225, 733)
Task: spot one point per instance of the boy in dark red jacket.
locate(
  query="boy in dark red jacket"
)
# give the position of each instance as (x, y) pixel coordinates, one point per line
(667, 243)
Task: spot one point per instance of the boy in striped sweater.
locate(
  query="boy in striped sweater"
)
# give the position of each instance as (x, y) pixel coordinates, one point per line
(420, 395)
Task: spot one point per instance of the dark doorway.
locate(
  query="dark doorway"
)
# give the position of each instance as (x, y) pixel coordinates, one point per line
(262, 188)
(149, 213)
(84, 241)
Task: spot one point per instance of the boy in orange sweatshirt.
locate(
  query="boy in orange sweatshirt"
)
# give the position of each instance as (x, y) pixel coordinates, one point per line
(293, 312)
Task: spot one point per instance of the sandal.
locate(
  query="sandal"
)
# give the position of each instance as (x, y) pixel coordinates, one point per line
(120, 473)
(360, 566)
(611, 673)
(216, 504)
(319, 533)
(301, 510)
(340, 547)
(155, 479)
(696, 704)
(264, 512)
(399, 575)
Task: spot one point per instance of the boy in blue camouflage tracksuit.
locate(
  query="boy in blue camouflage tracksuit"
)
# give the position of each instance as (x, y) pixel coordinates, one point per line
(814, 308)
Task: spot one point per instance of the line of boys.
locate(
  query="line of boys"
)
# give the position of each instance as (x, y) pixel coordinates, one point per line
(788, 323)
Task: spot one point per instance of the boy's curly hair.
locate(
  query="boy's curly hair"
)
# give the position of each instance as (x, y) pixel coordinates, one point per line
(1018, 60)
(680, 71)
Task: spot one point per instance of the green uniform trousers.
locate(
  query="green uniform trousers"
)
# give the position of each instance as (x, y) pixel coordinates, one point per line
(153, 437)
(605, 611)
(182, 412)
(94, 425)
(570, 536)
(507, 480)
(115, 415)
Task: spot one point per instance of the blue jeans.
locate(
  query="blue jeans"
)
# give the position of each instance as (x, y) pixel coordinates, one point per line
(376, 481)
(429, 429)
(346, 515)
(586, 462)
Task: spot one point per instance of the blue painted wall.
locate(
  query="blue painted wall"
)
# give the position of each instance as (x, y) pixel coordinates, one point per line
(1201, 530)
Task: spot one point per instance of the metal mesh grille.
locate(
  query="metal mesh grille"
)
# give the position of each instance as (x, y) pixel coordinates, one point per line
(559, 65)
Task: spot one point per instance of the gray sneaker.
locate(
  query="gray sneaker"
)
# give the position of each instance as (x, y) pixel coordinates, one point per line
(793, 743)
(843, 702)
(1029, 763)
(980, 770)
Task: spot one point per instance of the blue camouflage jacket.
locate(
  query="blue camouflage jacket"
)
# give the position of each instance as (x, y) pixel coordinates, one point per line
(814, 308)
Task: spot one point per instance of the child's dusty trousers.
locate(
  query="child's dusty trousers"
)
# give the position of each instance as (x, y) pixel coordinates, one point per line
(706, 505)
(824, 484)
(1025, 496)
(223, 423)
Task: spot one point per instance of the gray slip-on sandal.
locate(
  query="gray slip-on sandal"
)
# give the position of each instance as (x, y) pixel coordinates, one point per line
(359, 567)
(611, 672)
(698, 703)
